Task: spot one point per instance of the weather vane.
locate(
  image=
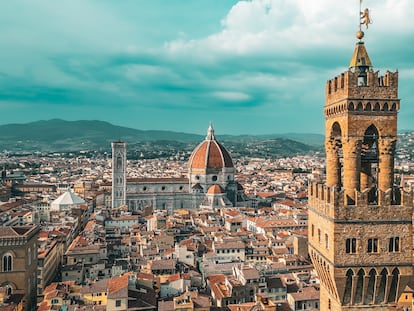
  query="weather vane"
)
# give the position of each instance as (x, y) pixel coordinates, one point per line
(364, 19)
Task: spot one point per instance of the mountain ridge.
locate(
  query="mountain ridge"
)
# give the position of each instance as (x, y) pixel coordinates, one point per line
(95, 134)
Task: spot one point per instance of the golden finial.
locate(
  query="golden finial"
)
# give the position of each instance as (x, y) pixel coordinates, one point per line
(364, 19)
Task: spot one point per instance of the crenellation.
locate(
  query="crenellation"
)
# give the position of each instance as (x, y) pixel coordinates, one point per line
(331, 202)
(347, 85)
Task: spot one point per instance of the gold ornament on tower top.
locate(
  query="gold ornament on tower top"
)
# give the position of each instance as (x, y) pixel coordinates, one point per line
(364, 19)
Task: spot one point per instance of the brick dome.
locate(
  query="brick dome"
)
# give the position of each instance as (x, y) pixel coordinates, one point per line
(210, 154)
(215, 189)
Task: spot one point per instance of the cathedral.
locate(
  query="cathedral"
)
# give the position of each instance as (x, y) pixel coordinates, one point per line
(210, 183)
(360, 223)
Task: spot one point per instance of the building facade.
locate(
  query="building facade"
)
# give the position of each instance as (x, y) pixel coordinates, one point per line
(360, 223)
(18, 251)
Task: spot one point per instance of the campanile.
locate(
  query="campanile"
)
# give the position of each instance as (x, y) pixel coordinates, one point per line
(360, 223)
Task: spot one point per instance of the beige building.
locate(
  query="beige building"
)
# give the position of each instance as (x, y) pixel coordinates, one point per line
(49, 262)
(18, 251)
(360, 224)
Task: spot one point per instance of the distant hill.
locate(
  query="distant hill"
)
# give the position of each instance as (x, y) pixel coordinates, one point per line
(308, 139)
(61, 135)
(57, 129)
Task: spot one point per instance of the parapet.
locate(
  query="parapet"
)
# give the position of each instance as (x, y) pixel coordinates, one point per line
(332, 202)
(351, 85)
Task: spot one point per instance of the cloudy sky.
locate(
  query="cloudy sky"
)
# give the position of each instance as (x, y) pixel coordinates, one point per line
(257, 66)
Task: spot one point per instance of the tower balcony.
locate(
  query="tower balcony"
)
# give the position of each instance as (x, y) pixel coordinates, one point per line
(347, 85)
(392, 205)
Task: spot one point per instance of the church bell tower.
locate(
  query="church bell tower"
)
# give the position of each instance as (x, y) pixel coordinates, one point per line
(360, 223)
(119, 162)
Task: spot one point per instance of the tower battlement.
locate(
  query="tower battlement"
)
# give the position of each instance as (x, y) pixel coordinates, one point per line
(350, 85)
(331, 202)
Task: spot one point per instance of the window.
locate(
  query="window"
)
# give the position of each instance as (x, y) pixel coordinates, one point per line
(7, 262)
(214, 178)
(326, 240)
(394, 244)
(118, 162)
(313, 230)
(319, 235)
(350, 246)
(117, 303)
(372, 245)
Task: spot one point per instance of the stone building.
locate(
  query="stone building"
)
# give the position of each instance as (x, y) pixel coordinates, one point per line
(18, 251)
(119, 164)
(360, 223)
(210, 167)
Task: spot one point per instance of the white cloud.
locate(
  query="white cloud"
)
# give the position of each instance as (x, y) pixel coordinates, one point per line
(283, 26)
(231, 96)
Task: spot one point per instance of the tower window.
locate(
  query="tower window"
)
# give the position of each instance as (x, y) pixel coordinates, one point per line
(7, 262)
(394, 244)
(313, 230)
(319, 235)
(372, 245)
(350, 245)
(326, 240)
(118, 162)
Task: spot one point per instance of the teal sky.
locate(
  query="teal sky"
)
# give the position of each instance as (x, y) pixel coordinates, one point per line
(252, 67)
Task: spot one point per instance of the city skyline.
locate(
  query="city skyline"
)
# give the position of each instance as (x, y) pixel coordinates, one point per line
(252, 67)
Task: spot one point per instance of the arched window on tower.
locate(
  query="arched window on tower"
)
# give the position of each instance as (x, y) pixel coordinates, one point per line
(359, 286)
(119, 162)
(336, 170)
(348, 287)
(394, 285)
(369, 163)
(7, 262)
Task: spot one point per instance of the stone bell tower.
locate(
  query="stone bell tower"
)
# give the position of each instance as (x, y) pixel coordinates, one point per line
(119, 163)
(360, 223)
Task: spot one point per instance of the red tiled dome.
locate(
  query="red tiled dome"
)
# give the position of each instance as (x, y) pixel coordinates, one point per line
(210, 154)
(215, 189)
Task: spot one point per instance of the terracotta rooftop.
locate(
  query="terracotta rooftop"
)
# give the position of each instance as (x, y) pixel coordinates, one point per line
(210, 154)
(215, 189)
